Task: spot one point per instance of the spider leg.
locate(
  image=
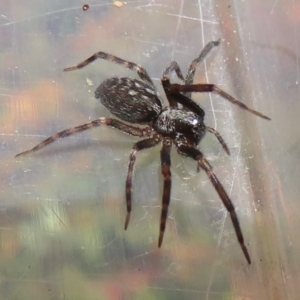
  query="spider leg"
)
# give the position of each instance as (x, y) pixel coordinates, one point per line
(102, 121)
(205, 165)
(176, 97)
(184, 98)
(219, 137)
(173, 67)
(144, 144)
(211, 88)
(126, 64)
(165, 169)
(190, 74)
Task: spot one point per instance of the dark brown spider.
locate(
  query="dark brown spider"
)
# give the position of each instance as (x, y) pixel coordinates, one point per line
(137, 101)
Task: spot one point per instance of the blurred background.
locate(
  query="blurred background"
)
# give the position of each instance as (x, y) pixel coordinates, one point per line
(62, 210)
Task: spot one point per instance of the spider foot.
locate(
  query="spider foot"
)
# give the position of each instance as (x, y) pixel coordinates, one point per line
(127, 221)
(70, 69)
(245, 251)
(160, 239)
(217, 42)
(24, 153)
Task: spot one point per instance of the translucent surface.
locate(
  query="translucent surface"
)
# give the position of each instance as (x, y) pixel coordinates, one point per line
(63, 208)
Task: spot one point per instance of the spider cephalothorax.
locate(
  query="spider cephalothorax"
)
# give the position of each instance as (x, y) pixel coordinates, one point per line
(137, 102)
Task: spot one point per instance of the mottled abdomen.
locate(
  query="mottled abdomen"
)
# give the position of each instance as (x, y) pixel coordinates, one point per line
(130, 100)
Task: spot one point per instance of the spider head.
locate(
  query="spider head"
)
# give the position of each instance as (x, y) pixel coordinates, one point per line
(177, 124)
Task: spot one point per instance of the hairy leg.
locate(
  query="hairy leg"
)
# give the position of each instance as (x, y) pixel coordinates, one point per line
(173, 67)
(211, 88)
(189, 78)
(135, 131)
(126, 64)
(204, 164)
(144, 144)
(165, 169)
(219, 137)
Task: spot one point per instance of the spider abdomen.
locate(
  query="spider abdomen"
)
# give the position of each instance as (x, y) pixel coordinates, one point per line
(129, 99)
(175, 122)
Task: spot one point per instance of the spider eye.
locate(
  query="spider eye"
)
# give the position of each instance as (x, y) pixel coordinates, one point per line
(195, 122)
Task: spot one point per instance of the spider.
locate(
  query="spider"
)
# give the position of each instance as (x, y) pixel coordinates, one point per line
(136, 102)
